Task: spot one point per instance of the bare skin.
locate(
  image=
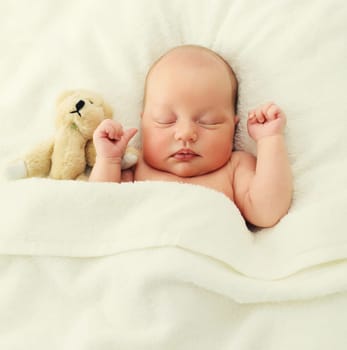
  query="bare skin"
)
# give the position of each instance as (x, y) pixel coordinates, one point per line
(188, 124)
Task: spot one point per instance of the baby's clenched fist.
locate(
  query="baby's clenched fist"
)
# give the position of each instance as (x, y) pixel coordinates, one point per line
(110, 140)
(266, 120)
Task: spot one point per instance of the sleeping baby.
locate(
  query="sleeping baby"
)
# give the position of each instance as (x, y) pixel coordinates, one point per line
(187, 126)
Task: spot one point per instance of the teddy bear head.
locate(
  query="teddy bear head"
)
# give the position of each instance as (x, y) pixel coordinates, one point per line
(82, 110)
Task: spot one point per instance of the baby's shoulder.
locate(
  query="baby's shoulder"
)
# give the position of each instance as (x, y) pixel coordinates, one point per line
(242, 158)
(243, 171)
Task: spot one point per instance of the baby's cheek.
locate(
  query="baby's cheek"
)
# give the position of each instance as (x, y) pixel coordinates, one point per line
(224, 146)
(156, 141)
(155, 146)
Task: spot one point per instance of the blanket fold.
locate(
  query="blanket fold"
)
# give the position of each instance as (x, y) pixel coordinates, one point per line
(196, 221)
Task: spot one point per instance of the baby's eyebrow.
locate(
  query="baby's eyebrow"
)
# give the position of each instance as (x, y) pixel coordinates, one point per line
(159, 105)
(162, 108)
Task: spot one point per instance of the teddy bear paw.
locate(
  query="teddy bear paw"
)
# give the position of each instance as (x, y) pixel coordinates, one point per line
(129, 160)
(15, 170)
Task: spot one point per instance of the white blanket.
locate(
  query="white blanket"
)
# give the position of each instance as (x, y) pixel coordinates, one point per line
(157, 265)
(151, 266)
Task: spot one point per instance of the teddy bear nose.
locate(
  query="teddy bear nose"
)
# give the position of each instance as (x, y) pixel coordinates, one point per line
(79, 105)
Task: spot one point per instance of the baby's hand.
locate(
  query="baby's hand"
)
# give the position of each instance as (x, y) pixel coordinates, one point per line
(110, 140)
(266, 120)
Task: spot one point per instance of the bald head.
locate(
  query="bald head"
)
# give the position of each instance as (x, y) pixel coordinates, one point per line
(191, 56)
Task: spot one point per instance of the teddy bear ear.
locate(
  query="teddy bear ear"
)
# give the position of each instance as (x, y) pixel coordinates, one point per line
(63, 95)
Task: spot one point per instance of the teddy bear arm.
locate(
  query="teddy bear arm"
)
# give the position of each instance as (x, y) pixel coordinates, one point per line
(130, 157)
(90, 153)
(38, 160)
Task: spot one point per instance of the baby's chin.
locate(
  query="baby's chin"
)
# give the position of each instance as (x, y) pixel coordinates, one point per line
(186, 171)
(187, 174)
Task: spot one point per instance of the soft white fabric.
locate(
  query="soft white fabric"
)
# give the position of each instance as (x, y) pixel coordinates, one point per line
(152, 266)
(159, 265)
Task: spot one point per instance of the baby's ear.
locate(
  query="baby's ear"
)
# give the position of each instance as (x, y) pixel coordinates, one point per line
(236, 119)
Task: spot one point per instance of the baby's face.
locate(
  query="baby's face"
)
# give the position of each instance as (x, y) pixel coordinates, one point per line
(188, 119)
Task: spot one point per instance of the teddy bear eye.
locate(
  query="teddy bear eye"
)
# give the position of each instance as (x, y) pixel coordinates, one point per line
(91, 101)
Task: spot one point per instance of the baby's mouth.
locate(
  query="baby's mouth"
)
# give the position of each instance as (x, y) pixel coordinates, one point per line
(184, 154)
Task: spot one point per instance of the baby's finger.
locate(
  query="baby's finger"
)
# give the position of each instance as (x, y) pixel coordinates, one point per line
(272, 112)
(266, 106)
(129, 134)
(113, 135)
(260, 116)
(114, 130)
(252, 118)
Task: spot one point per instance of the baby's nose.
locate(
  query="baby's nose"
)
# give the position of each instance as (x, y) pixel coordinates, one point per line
(79, 105)
(186, 131)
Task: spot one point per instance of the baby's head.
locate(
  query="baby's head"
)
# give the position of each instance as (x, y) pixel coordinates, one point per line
(189, 116)
(190, 52)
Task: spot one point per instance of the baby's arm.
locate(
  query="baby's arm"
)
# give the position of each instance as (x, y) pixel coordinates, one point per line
(110, 143)
(263, 186)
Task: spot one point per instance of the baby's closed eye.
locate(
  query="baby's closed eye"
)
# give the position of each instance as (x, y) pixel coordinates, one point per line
(210, 120)
(165, 121)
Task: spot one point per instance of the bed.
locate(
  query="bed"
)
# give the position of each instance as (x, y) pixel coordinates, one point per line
(158, 265)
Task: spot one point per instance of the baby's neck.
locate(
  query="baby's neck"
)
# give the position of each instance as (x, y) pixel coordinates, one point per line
(219, 180)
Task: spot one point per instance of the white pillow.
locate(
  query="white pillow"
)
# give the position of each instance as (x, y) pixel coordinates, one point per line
(293, 53)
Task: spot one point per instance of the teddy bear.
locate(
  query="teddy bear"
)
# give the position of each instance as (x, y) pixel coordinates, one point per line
(70, 153)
